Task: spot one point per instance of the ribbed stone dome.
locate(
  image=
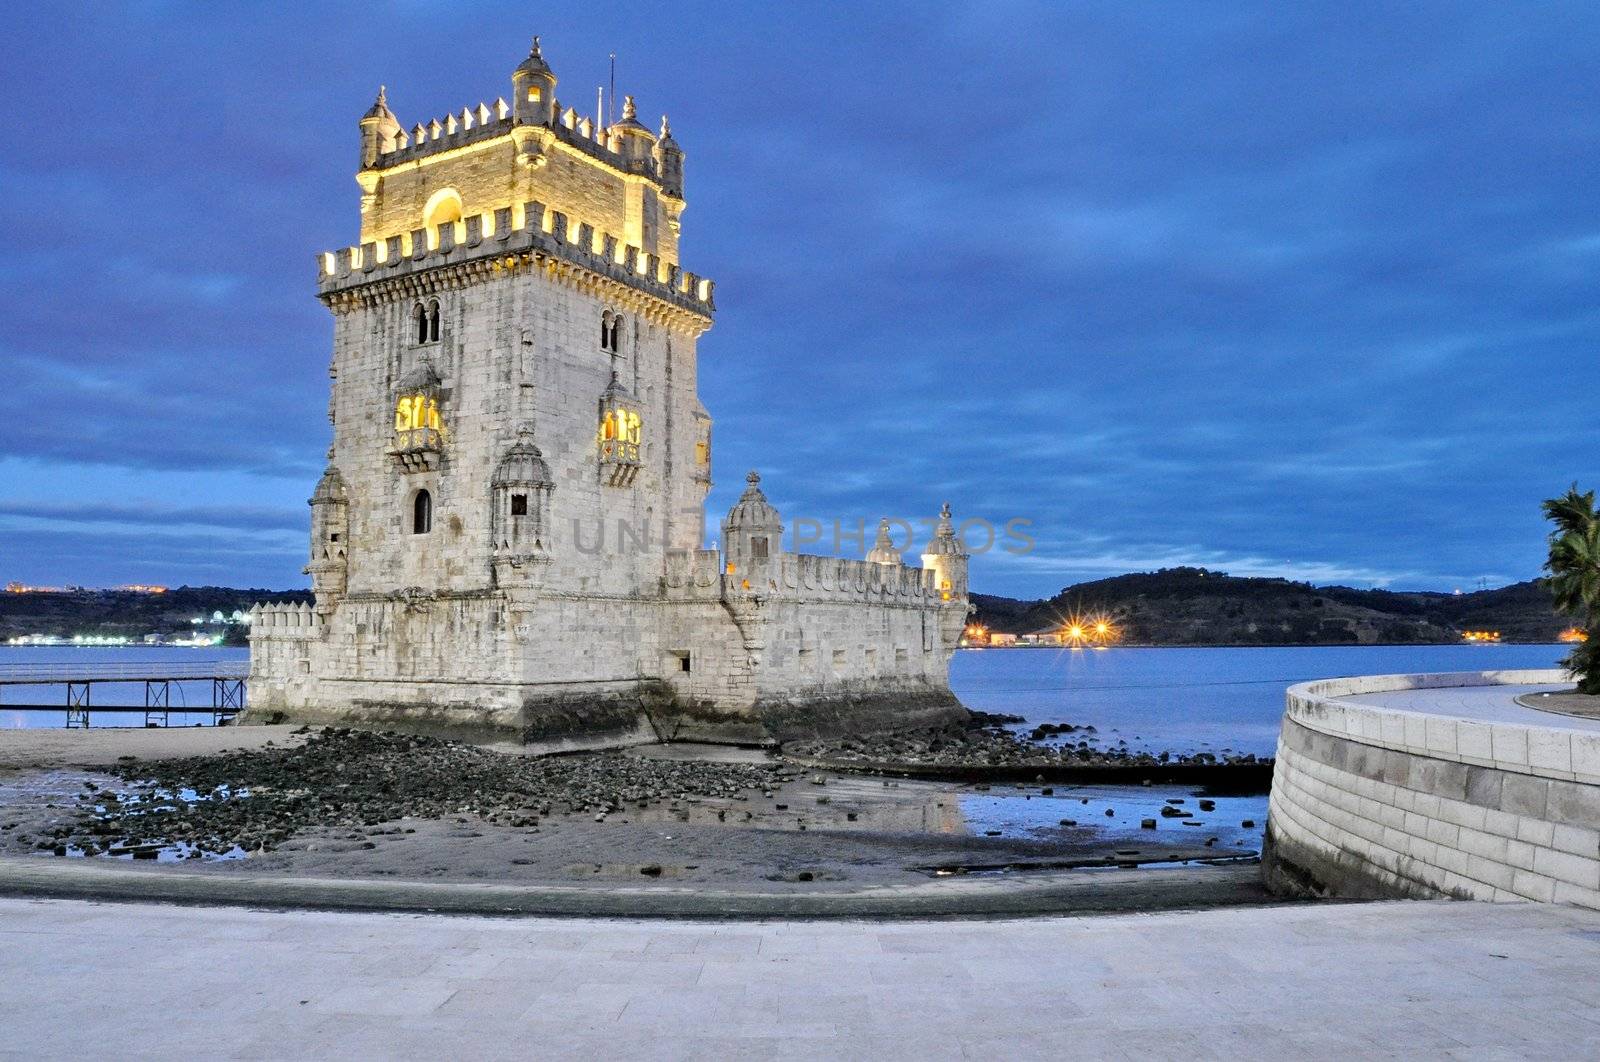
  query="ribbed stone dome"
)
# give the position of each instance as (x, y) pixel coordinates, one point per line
(330, 488)
(534, 63)
(523, 464)
(752, 509)
(945, 542)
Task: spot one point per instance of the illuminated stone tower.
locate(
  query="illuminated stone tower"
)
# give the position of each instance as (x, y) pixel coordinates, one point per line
(507, 539)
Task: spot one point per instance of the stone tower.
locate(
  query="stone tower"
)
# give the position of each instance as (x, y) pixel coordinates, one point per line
(507, 538)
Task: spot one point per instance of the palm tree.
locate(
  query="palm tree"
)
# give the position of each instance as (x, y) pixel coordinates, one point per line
(1574, 567)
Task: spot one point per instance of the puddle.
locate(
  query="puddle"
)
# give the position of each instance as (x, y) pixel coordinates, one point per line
(1028, 812)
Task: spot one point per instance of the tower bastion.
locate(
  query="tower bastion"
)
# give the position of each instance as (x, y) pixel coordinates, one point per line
(508, 540)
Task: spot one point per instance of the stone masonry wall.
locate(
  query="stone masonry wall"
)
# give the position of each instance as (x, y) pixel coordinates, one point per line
(1369, 802)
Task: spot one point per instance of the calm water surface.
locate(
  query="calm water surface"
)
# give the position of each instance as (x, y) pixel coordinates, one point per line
(1192, 700)
(1179, 700)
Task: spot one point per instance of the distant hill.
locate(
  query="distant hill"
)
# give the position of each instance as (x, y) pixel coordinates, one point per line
(1194, 606)
(131, 614)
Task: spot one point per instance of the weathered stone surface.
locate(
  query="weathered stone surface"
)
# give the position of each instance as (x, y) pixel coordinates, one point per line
(507, 542)
(1365, 803)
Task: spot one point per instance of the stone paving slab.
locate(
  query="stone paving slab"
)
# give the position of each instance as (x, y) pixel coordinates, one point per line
(1483, 704)
(1381, 980)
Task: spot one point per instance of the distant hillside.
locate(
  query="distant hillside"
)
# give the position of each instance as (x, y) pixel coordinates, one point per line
(1193, 606)
(129, 614)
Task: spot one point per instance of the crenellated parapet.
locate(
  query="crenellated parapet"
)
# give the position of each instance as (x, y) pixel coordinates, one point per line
(693, 574)
(284, 623)
(483, 245)
(625, 146)
(811, 578)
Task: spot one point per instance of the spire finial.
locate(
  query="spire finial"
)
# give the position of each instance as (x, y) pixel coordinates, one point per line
(629, 111)
(383, 95)
(666, 127)
(753, 478)
(536, 51)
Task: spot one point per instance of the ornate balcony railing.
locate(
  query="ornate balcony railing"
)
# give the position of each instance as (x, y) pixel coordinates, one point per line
(417, 449)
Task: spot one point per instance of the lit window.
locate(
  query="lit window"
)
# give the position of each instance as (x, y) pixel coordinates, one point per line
(422, 513)
(535, 94)
(619, 435)
(416, 412)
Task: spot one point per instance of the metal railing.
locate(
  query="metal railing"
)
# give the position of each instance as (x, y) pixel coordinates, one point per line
(122, 671)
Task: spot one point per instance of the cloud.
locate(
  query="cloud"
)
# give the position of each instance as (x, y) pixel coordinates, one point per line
(1289, 291)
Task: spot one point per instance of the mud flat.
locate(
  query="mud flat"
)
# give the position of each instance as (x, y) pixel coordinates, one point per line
(350, 818)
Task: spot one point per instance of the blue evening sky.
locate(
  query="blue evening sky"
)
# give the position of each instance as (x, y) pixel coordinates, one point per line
(1299, 289)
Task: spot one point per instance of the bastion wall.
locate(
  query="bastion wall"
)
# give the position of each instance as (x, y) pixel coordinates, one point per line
(1370, 802)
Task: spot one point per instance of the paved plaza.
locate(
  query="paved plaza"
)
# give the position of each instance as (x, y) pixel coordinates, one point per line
(1335, 981)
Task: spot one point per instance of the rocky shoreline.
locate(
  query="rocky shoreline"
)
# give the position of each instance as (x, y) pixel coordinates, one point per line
(351, 791)
(254, 800)
(985, 744)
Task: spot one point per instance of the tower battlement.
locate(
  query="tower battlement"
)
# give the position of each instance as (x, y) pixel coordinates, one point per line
(528, 229)
(507, 538)
(619, 178)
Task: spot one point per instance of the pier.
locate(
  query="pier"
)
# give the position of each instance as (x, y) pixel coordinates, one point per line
(76, 683)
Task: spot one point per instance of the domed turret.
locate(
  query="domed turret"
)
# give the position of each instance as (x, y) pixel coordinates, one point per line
(380, 130)
(669, 161)
(330, 525)
(883, 551)
(533, 87)
(520, 518)
(753, 530)
(946, 560)
(632, 140)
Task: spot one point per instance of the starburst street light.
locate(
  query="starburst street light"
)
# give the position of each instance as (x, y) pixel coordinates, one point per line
(1095, 631)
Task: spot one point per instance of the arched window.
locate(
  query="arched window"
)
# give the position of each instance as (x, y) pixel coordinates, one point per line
(433, 321)
(611, 332)
(443, 208)
(419, 319)
(422, 513)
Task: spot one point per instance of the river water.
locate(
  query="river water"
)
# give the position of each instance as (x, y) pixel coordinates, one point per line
(1194, 700)
(1178, 700)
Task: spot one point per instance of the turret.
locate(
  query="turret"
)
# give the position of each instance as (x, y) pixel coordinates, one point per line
(379, 131)
(947, 560)
(633, 141)
(330, 533)
(883, 551)
(753, 532)
(520, 518)
(669, 161)
(533, 87)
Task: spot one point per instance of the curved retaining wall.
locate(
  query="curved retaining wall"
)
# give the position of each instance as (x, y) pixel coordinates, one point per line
(1370, 801)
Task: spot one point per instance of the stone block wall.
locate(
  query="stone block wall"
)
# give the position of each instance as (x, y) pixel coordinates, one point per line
(1374, 802)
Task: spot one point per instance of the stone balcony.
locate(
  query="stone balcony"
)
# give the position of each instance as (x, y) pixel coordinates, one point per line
(418, 449)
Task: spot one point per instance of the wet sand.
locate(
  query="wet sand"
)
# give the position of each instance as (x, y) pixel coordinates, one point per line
(819, 833)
